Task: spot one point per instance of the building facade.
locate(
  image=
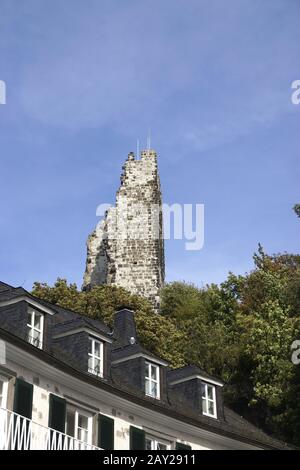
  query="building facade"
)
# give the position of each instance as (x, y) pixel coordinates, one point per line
(69, 382)
(127, 248)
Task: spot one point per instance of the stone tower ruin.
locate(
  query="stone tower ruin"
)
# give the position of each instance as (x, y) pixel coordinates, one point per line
(127, 248)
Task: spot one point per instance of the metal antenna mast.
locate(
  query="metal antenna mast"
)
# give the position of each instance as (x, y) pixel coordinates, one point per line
(149, 139)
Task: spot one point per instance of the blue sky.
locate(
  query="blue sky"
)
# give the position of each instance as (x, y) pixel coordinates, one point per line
(211, 78)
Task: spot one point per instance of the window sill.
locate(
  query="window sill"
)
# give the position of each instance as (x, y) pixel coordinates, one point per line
(210, 416)
(100, 376)
(152, 396)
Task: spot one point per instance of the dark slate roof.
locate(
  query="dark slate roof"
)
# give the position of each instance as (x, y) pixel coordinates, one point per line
(4, 287)
(244, 428)
(65, 316)
(124, 327)
(130, 350)
(12, 293)
(68, 317)
(80, 322)
(186, 371)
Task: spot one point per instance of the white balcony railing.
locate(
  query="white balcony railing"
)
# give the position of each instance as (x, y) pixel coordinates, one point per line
(19, 433)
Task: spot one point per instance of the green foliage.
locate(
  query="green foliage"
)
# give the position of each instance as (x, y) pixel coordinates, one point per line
(267, 338)
(181, 301)
(207, 318)
(242, 330)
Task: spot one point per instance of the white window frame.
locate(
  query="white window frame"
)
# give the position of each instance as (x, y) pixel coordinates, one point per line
(94, 356)
(77, 412)
(31, 328)
(156, 440)
(208, 400)
(3, 395)
(156, 381)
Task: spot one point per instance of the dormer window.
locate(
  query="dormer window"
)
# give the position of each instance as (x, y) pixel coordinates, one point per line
(35, 326)
(95, 365)
(152, 382)
(209, 404)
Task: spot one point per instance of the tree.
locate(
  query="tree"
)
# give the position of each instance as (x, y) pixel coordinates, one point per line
(267, 324)
(242, 330)
(207, 318)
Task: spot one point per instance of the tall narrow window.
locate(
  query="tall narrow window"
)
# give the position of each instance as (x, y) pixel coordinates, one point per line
(152, 386)
(156, 444)
(209, 405)
(82, 427)
(79, 425)
(95, 365)
(35, 322)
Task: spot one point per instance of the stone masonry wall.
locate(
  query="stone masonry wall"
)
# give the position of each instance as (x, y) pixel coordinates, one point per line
(127, 248)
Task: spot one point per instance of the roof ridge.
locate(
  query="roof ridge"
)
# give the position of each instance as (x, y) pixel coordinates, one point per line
(6, 286)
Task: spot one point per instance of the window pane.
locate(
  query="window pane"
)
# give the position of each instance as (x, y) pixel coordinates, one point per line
(84, 437)
(97, 348)
(82, 428)
(82, 421)
(153, 389)
(204, 406)
(90, 345)
(147, 384)
(33, 336)
(210, 392)
(29, 319)
(91, 365)
(147, 367)
(37, 321)
(154, 372)
(211, 408)
(36, 335)
(161, 446)
(97, 366)
(148, 444)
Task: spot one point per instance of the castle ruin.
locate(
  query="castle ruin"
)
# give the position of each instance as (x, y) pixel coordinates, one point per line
(127, 248)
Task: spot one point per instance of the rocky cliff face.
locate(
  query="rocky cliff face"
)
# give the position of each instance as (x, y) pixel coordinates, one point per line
(127, 248)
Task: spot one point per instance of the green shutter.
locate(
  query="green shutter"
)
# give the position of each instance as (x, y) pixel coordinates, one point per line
(23, 398)
(106, 432)
(180, 446)
(57, 413)
(137, 439)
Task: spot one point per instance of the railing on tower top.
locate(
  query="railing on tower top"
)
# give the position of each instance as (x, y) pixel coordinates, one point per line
(19, 433)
